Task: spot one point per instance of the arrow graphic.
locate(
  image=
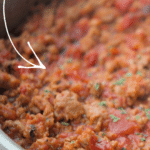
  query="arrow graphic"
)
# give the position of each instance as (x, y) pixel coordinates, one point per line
(41, 66)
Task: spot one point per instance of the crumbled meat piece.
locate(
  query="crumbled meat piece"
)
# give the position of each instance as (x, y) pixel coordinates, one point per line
(84, 138)
(8, 81)
(96, 114)
(36, 127)
(3, 99)
(66, 106)
(8, 111)
(106, 14)
(96, 89)
(45, 143)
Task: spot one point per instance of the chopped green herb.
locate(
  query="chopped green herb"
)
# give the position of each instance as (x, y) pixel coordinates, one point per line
(99, 139)
(110, 47)
(140, 108)
(65, 123)
(70, 60)
(89, 74)
(72, 142)
(114, 102)
(139, 56)
(137, 117)
(137, 133)
(70, 82)
(115, 119)
(120, 81)
(71, 98)
(103, 82)
(127, 117)
(51, 146)
(142, 139)
(84, 115)
(61, 67)
(103, 103)
(122, 110)
(123, 148)
(103, 134)
(129, 74)
(147, 112)
(97, 86)
(145, 135)
(47, 91)
(44, 54)
(139, 73)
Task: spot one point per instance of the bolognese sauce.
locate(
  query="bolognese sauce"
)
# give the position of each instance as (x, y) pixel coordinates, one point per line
(95, 91)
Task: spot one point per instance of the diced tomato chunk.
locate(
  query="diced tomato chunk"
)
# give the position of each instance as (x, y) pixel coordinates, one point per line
(123, 5)
(127, 21)
(135, 140)
(145, 2)
(132, 43)
(80, 29)
(4, 55)
(124, 142)
(23, 89)
(99, 145)
(74, 51)
(91, 58)
(60, 13)
(21, 70)
(148, 125)
(123, 126)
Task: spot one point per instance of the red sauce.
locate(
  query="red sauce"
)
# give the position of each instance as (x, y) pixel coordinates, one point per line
(99, 145)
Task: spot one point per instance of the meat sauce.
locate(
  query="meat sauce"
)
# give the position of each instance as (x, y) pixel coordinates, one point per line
(94, 93)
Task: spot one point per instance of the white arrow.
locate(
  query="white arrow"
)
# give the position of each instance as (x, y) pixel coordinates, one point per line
(34, 66)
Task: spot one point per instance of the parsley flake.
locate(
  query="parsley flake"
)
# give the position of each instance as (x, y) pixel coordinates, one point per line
(89, 74)
(114, 102)
(115, 119)
(140, 108)
(65, 123)
(103, 134)
(145, 135)
(127, 117)
(137, 133)
(139, 56)
(128, 74)
(120, 81)
(147, 112)
(123, 148)
(122, 110)
(99, 139)
(103, 103)
(143, 139)
(61, 67)
(97, 86)
(139, 73)
(70, 60)
(51, 146)
(47, 91)
(137, 117)
(72, 142)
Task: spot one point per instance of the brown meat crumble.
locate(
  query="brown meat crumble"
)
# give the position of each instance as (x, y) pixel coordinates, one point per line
(95, 91)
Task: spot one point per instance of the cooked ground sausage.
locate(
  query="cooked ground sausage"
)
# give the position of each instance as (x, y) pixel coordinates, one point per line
(95, 91)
